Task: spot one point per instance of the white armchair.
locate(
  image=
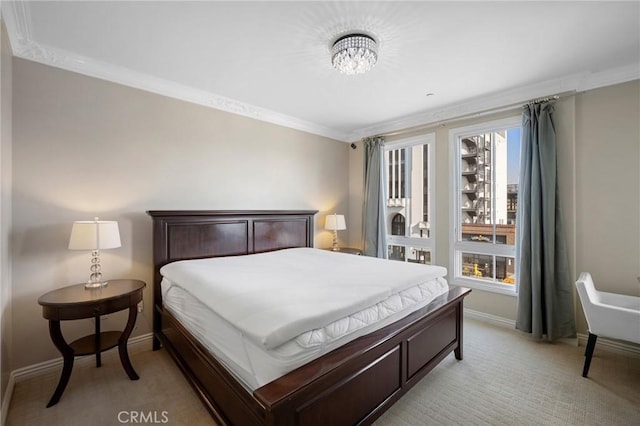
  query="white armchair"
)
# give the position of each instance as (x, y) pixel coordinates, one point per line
(616, 316)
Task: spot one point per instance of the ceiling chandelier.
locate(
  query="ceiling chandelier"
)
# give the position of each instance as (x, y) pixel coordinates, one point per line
(354, 54)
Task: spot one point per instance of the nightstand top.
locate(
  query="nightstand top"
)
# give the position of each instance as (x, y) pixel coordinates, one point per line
(77, 294)
(349, 250)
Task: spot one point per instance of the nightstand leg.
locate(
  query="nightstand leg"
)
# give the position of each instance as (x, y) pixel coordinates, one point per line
(67, 355)
(97, 342)
(122, 344)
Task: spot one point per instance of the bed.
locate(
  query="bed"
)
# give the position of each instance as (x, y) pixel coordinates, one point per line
(352, 384)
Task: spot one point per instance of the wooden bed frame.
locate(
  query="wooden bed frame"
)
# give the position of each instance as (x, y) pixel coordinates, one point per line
(353, 384)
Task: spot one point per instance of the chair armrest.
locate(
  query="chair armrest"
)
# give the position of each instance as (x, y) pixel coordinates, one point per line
(621, 300)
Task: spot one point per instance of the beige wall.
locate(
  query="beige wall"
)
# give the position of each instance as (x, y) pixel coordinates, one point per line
(85, 147)
(598, 139)
(608, 188)
(5, 209)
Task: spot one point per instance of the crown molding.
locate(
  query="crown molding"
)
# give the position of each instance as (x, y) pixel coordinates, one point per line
(610, 77)
(17, 19)
(87, 66)
(503, 100)
(16, 16)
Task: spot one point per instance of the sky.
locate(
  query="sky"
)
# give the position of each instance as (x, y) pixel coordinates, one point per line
(513, 154)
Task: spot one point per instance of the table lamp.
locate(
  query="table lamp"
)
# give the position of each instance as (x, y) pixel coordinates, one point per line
(94, 235)
(335, 223)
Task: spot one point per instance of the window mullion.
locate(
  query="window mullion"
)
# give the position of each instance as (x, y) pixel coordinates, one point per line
(494, 196)
(407, 189)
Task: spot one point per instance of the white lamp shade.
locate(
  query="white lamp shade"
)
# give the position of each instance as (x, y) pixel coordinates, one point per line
(94, 235)
(335, 222)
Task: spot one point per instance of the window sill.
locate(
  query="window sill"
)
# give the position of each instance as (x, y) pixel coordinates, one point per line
(508, 290)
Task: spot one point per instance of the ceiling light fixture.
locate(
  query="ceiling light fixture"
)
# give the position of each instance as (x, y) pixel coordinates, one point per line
(354, 54)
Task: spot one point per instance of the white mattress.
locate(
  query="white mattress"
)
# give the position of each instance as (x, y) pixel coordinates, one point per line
(252, 354)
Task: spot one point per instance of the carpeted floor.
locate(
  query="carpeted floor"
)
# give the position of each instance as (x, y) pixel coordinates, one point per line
(504, 379)
(508, 379)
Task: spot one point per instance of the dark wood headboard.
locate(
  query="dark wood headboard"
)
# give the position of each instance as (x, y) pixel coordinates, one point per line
(193, 234)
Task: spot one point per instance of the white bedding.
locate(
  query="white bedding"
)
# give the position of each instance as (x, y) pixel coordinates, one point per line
(308, 295)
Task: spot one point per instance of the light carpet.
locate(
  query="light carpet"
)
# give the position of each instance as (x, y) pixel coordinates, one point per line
(504, 379)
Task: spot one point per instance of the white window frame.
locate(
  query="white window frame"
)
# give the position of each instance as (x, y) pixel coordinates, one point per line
(429, 142)
(456, 246)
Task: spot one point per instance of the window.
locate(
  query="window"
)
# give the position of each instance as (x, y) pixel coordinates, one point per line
(409, 169)
(486, 160)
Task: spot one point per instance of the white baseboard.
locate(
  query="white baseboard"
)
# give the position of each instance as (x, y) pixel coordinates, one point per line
(7, 399)
(493, 319)
(611, 345)
(581, 339)
(41, 368)
(45, 367)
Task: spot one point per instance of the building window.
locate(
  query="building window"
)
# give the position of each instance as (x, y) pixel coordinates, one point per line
(486, 160)
(398, 224)
(409, 218)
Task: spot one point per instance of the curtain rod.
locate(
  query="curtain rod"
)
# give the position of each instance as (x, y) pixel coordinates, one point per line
(513, 106)
(542, 100)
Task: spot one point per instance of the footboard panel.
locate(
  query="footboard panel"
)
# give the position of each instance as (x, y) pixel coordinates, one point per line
(369, 387)
(425, 345)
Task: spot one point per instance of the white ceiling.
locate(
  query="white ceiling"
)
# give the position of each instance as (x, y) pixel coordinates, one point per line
(271, 60)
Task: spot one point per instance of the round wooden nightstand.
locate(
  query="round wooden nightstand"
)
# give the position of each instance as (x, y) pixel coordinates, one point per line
(76, 302)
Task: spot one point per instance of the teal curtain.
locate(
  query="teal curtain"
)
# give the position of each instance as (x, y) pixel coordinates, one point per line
(545, 293)
(374, 231)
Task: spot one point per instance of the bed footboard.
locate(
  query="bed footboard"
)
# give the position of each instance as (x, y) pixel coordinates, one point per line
(356, 383)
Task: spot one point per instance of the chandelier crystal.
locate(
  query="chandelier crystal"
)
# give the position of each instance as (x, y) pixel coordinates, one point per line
(354, 54)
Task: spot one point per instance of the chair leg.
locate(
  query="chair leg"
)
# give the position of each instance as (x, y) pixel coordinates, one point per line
(591, 344)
